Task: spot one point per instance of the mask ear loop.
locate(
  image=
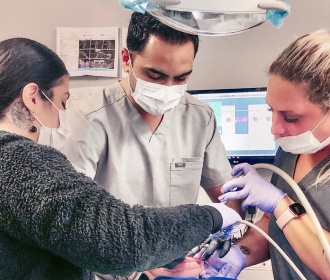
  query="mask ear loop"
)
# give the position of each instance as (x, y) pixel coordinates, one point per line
(49, 100)
(33, 128)
(320, 121)
(131, 66)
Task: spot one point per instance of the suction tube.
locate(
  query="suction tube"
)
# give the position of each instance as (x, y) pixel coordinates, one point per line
(271, 241)
(319, 231)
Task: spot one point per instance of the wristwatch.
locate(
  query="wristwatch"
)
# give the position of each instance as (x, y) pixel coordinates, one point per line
(294, 211)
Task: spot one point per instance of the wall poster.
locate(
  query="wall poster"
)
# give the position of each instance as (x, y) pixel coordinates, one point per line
(89, 51)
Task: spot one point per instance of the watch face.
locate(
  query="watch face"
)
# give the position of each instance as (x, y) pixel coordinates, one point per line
(297, 208)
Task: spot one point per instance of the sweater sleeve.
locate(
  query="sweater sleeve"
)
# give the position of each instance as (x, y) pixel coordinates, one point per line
(46, 203)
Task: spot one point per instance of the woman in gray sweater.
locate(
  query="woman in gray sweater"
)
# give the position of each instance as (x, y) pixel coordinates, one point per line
(56, 223)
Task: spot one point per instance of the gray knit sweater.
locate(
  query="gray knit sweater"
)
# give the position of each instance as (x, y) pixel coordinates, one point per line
(56, 223)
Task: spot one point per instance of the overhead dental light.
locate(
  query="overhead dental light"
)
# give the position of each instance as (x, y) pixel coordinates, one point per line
(212, 17)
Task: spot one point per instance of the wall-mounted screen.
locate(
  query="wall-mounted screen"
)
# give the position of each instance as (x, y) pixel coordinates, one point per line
(244, 122)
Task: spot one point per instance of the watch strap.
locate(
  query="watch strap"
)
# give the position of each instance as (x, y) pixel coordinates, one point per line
(285, 217)
(288, 215)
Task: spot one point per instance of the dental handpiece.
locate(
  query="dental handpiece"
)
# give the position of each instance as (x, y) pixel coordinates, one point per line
(198, 248)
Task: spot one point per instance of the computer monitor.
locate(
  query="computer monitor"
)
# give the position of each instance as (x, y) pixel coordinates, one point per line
(244, 123)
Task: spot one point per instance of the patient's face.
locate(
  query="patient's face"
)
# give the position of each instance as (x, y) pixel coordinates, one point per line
(190, 267)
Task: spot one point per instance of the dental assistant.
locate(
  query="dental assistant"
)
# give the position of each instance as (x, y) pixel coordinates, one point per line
(299, 97)
(56, 223)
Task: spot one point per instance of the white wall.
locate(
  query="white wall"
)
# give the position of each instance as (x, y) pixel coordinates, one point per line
(38, 20)
(239, 60)
(242, 60)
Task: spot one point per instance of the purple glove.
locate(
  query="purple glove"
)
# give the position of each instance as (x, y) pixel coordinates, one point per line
(229, 215)
(255, 190)
(230, 265)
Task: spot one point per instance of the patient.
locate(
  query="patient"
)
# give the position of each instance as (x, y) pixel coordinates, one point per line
(188, 268)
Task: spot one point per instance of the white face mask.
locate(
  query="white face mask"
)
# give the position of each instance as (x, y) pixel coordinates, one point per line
(156, 99)
(55, 137)
(305, 143)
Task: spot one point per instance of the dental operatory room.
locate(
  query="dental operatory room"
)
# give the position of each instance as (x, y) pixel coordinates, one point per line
(165, 140)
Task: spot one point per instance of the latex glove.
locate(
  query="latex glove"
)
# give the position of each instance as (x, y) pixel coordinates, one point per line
(229, 266)
(189, 267)
(254, 189)
(220, 241)
(222, 247)
(229, 215)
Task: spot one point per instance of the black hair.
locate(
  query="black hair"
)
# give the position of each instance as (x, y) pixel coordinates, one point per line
(24, 61)
(141, 26)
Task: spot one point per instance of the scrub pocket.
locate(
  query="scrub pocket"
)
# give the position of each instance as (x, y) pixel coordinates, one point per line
(185, 180)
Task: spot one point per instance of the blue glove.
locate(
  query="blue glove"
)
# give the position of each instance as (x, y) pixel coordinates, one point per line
(255, 190)
(230, 265)
(229, 215)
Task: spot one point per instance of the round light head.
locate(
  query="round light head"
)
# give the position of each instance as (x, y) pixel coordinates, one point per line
(208, 23)
(213, 17)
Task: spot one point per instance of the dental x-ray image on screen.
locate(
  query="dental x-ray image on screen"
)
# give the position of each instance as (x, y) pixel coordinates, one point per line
(244, 123)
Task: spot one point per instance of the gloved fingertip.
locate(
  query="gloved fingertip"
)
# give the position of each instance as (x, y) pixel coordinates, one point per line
(236, 171)
(225, 248)
(222, 198)
(243, 207)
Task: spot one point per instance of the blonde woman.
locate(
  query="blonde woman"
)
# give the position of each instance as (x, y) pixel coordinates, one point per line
(298, 94)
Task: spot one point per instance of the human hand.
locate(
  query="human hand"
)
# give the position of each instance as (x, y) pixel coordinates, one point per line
(189, 267)
(229, 266)
(229, 215)
(251, 187)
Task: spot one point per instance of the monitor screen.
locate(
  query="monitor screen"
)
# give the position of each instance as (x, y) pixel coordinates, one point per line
(244, 123)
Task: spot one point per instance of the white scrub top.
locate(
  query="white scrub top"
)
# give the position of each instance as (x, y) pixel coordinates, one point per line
(111, 143)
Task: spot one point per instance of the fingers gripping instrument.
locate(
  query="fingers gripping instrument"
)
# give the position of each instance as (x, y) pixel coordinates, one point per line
(218, 244)
(220, 241)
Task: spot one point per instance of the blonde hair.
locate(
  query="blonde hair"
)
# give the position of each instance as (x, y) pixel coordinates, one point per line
(323, 176)
(307, 61)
